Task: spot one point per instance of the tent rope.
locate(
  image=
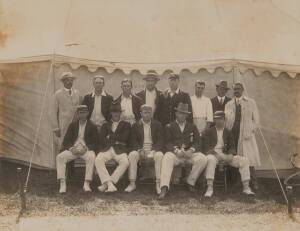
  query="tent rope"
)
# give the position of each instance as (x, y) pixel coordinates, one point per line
(38, 126)
(270, 155)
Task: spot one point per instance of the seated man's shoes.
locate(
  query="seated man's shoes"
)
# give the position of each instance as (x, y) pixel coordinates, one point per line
(86, 187)
(102, 188)
(63, 187)
(248, 192)
(163, 193)
(191, 188)
(130, 188)
(158, 189)
(111, 188)
(209, 192)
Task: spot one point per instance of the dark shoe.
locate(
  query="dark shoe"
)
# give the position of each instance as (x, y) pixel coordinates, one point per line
(164, 191)
(191, 188)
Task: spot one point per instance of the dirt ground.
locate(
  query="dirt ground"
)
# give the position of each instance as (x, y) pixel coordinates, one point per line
(181, 210)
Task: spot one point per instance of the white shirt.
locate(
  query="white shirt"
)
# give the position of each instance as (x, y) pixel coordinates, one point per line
(114, 125)
(221, 99)
(80, 138)
(150, 98)
(68, 91)
(126, 105)
(172, 92)
(220, 143)
(181, 125)
(97, 116)
(202, 108)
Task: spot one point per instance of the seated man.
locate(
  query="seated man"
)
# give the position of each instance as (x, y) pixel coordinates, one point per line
(147, 143)
(219, 147)
(114, 142)
(182, 145)
(80, 141)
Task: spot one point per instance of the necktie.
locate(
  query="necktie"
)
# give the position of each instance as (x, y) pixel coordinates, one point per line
(70, 92)
(221, 101)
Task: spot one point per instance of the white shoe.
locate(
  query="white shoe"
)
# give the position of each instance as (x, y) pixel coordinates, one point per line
(102, 188)
(209, 192)
(158, 189)
(130, 188)
(86, 187)
(111, 188)
(63, 187)
(248, 191)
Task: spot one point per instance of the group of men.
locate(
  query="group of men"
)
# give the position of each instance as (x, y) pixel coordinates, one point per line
(170, 127)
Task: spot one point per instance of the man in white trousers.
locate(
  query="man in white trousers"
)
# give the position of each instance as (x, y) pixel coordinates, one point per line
(147, 143)
(182, 145)
(219, 147)
(114, 145)
(80, 141)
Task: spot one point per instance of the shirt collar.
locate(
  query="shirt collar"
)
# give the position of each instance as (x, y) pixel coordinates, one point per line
(154, 90)
(219, 97)
(82, 124)
(242, 98)
(102, 94)
(145, 123)
(130, 96)
(184, 123)
(176, 92)
(67, 90)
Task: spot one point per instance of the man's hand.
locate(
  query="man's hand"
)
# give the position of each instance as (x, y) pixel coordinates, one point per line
(188, 153)
(73, 150)
(57, 133)
(229, 157)
(142, 153)
(180, 153)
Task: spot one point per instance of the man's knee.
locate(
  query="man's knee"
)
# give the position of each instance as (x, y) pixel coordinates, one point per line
(200, 159)
(133, 156)
(90, 156)
(243, 161)
(60, 158)
(100, 159)
(158, 156)
(169, 156)
(211, 159)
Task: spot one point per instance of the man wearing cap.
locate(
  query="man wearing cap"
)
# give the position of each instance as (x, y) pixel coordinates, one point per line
(98, 102)
(242, 118)
(114, 145)
(170, 100)
(219, 101)
(182, 146)
(150, 95)
(146, 143)
(130, 103)
(202, 108)
(80, 141)
(65, 101)
(219, 147)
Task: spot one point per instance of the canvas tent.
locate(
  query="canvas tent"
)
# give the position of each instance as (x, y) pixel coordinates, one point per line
(256, 42)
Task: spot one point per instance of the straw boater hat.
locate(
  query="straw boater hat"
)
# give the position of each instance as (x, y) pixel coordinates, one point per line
(223, 84)
(66, 75)
(219, 115)
(146, 107)
(183, 107)
(151, 74)
(173, 76)
(82, 108)
(98, 77)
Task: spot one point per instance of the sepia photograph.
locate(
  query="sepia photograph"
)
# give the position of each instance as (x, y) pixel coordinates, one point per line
(126, 115)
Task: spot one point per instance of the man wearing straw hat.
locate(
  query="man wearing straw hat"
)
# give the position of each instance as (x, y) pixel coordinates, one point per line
(151, 95)
(80, 141)
(182, 146)
(64, 105)
(146, 143)
(98, 102)
(219, 148)
(242, 118)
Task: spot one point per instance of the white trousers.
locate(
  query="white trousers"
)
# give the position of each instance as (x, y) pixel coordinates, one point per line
(170, 160)
(240, 162)
(66, 156)
(134, 158)
(103, 157)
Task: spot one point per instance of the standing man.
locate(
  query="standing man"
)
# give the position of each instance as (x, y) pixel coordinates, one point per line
(130, 103)
(170, 100)
(150, 95)
(64, 105)
(114, 145)
(202, 108)
(80, 141)
(219, 147)
(182, 146)
(242, 119)
(219, 101)
(98, 103)
(146, 143)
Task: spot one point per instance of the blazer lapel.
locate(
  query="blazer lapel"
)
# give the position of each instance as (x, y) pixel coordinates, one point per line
(141, 130)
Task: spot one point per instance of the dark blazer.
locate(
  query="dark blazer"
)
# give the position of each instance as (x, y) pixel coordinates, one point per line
(216, 104)
(89, 101)
(142, 95)
(90, 136)
(136, 105)
(210, 141)
(175, 138)
(137, 135)
(168, 105)
(119, 139)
